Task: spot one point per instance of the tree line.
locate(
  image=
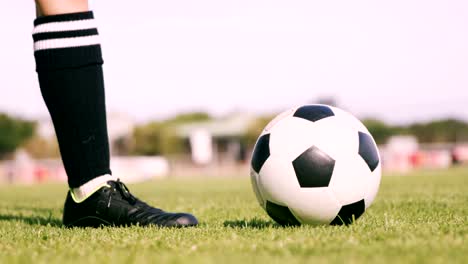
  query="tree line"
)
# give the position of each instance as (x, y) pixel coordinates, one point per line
(437, 131)
(160, 137)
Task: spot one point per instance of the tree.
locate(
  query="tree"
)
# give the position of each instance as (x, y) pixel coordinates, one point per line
(380, 130)
(156, 138)
(445, 130)
(188, 118)
(13, 133)
(159, 138)
(255, 129)
(41, 148)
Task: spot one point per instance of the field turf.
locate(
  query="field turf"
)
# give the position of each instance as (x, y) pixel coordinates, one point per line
(417, 218)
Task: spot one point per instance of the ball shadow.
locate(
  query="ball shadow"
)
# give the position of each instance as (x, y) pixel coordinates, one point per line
(253, 223)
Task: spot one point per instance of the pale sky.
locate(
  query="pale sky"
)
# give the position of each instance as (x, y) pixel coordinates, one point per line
(398, 60)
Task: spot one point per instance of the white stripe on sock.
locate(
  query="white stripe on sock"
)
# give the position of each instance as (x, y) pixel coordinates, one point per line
(84, 191)
(66, 42)
(65, 26)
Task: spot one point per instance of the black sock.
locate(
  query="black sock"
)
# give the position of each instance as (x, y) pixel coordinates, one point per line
(69, 66)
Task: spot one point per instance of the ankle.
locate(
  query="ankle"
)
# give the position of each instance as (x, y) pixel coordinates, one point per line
(81, 193)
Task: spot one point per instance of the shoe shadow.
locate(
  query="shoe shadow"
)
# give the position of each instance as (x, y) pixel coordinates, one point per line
(33, 220)
(253, 223)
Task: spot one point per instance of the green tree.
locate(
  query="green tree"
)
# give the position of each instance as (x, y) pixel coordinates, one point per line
(155, 138)
(380, 130)
(188, 118)
(160, 138)
(437, 131)
(445, 130)
(255, 129)
(41, 148)
(13, 133)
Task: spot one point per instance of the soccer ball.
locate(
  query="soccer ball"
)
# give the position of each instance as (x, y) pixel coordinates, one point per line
(315, 164)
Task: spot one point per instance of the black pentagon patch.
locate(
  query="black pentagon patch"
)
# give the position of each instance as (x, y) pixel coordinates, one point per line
(368, 151)
(261, 152)
(314, 168)
(349, 213)
(313, 112)
(281, 214)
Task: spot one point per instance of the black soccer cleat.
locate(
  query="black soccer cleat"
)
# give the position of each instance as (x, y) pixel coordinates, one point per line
(114, 205)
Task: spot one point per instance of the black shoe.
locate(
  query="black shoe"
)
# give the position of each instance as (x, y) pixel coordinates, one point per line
(116, 206)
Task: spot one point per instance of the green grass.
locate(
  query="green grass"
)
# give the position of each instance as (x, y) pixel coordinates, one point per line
(419, 218)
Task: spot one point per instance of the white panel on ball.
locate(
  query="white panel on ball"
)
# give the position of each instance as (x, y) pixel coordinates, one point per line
(349, 181)
(291, 136)
(337, 139)
(373, 185)
(314, 205)
(277, 180)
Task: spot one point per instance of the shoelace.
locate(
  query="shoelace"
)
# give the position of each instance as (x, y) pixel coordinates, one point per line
(143, 212)
(123, 189)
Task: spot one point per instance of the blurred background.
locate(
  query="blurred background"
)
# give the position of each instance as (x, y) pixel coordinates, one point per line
(191, 84)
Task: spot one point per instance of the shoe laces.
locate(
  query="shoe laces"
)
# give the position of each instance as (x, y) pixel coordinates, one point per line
(142, 212)
(125, 192)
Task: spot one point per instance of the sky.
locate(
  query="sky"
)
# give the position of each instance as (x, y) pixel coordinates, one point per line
(400, 60)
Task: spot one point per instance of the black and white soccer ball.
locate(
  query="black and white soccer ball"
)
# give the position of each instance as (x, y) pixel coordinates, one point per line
(315, 164)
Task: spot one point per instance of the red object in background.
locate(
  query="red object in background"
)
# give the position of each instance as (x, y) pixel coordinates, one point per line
(416, 159)
(460, 153)
(40, 174)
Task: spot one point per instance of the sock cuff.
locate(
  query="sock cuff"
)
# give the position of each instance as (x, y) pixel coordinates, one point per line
(66, 41)
(64, 17)
(86, 190)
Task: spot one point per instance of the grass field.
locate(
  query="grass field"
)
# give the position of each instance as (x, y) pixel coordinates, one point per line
(419, 218)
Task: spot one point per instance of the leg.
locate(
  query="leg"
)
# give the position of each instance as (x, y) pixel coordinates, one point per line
(54, 7)
(69, 66)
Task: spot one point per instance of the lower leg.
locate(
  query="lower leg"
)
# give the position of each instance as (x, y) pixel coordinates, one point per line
(69, 66)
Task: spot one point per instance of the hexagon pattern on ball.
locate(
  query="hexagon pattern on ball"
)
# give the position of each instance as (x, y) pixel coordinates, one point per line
(281, 214)
(313, 112)
(368, 151)
(349, 213)
(261, 152)
(315, 165)
(314, 168)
